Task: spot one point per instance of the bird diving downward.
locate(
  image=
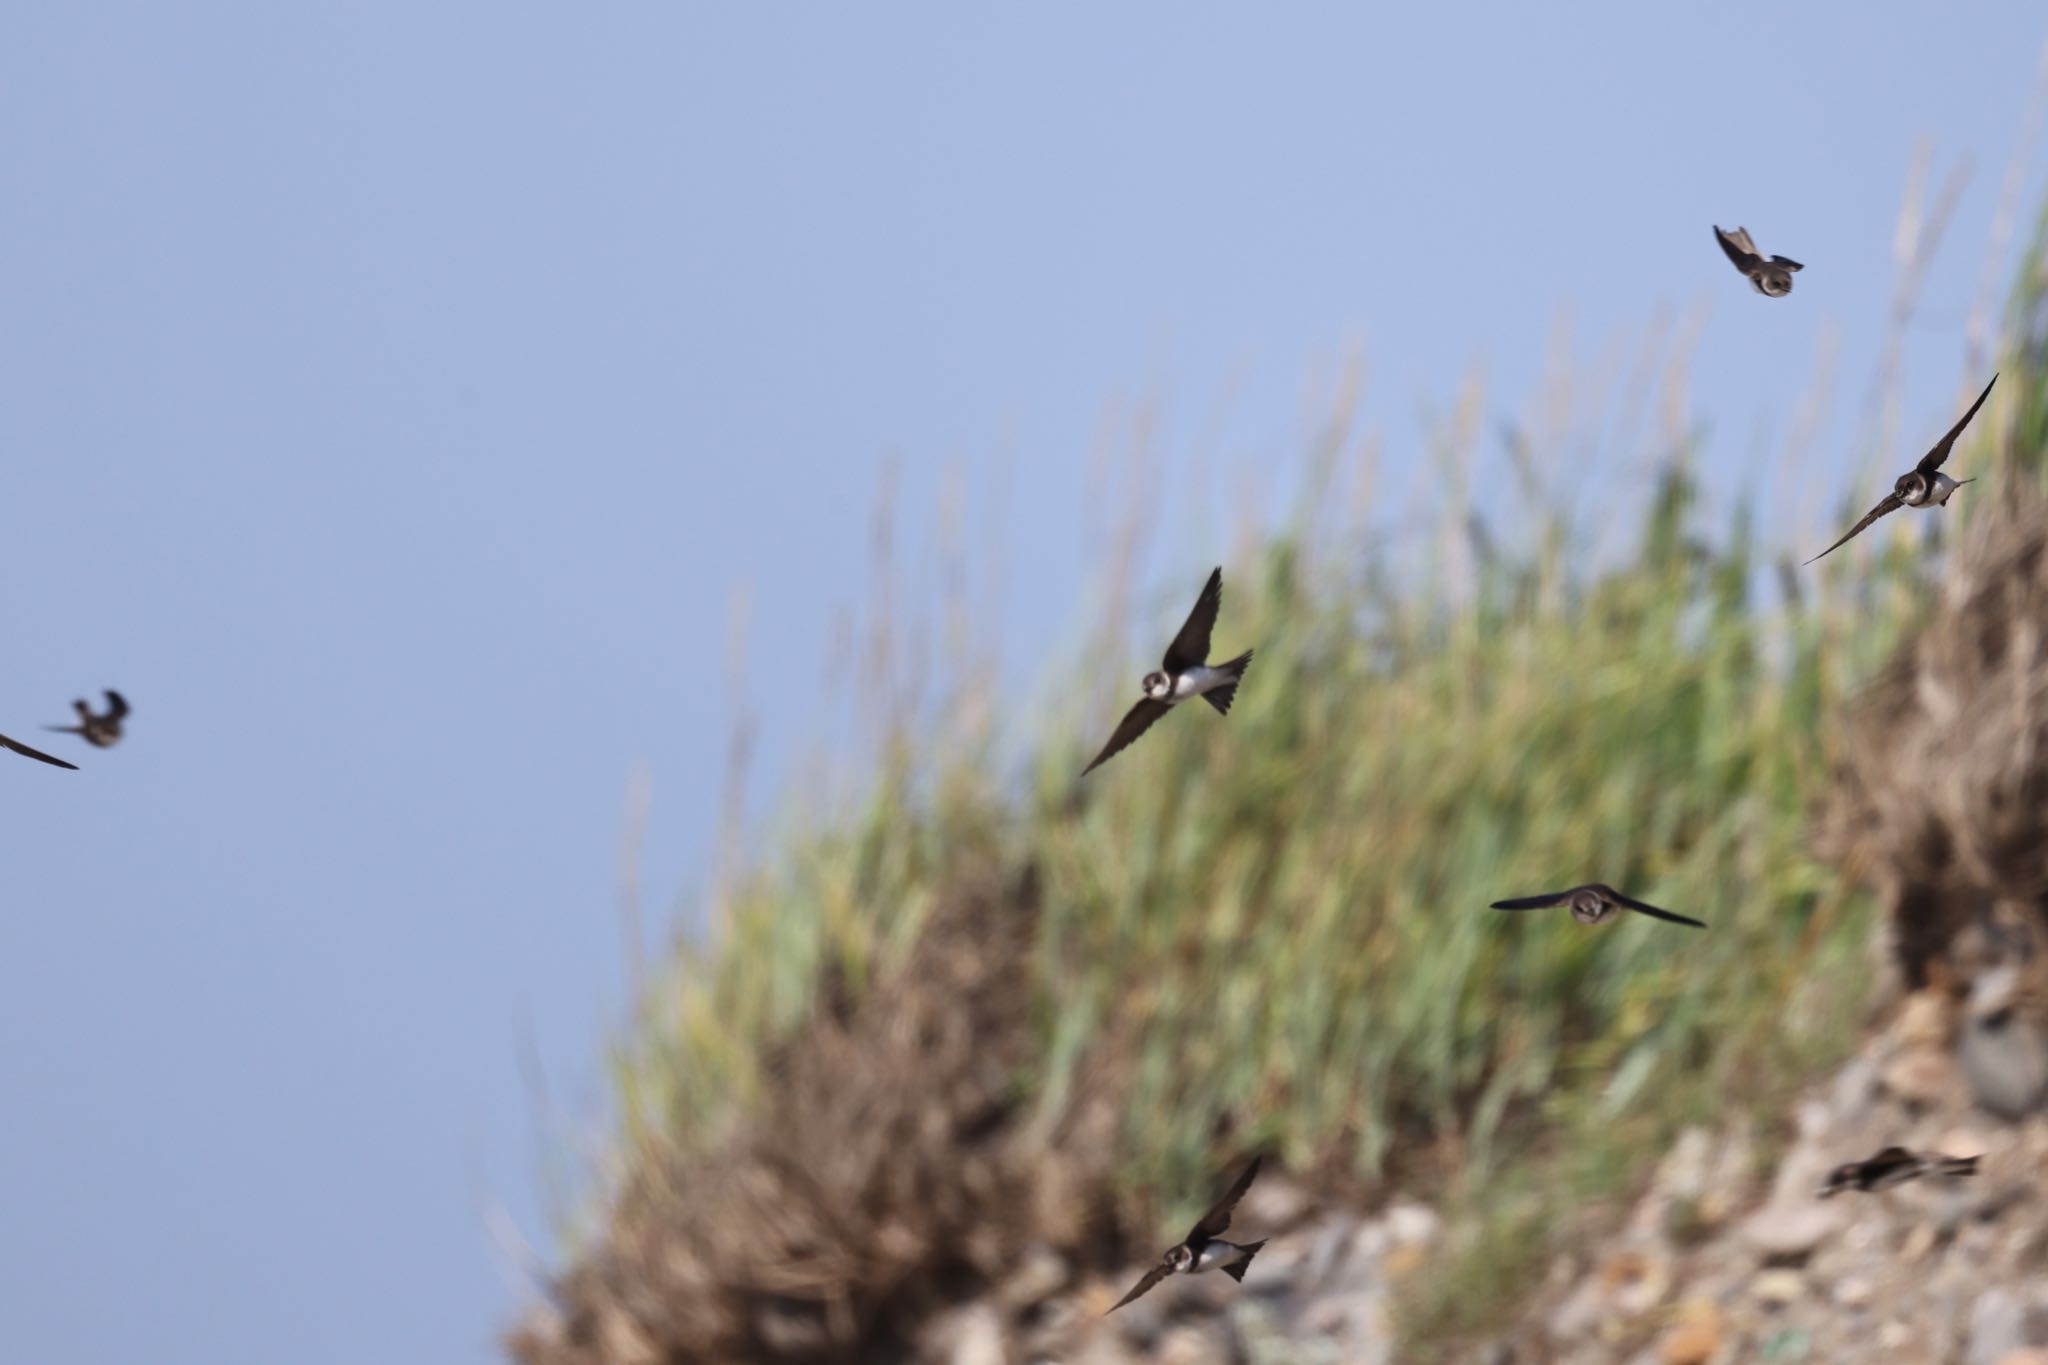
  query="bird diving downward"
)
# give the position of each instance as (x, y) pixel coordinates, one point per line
(1772, 278)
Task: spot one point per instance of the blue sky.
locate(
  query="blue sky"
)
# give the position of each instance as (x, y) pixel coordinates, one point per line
(395, 399)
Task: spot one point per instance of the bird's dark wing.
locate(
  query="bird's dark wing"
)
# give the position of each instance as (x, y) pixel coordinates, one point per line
(1786, 263)
(1932, 460)
(1138, 1290)
(1745, 261)
(1136, 722)
(1653, 912)
(1190, 648)
(24, 750)
(1218, 1217)
(1892, 1166)
(1542, 902)
(1891, 503)
(117, 705)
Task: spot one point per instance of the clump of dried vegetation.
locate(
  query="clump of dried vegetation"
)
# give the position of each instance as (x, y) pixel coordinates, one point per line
(885, 1169)
(963, 1021)
(1940, 800)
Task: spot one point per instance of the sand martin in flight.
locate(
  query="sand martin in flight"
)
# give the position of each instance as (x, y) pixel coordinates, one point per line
(1204, 1248)
(21, 748)
(1185, 673)
(1592, 903)
(102, 732)
(1772, 278)
(1923, 485)
(1894, 1166)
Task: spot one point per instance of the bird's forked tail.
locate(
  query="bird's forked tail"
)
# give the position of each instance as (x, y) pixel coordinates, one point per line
(1235, 1270)
(1221, 697)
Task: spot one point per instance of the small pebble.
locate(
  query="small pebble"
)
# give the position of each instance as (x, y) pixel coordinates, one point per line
(1778, 1287)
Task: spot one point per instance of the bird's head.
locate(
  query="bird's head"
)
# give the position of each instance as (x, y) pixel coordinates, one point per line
(1589, 907)
(1839, 1179)
(1180, 1258)
(1158, 686)
(1913, 488)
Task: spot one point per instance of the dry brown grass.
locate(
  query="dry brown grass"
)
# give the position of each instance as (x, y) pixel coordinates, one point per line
(891, 1170)
(1941, 798)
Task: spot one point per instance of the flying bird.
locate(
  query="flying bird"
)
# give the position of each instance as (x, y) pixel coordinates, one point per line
(102, 732)
(1184, 673)
(1921, 485)
(1592, 903)
(21, 748)
(1204, 1248)
(1772, 278)
(1895, 1166)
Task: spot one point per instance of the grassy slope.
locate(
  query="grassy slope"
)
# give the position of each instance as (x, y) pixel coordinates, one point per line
(1280, 923)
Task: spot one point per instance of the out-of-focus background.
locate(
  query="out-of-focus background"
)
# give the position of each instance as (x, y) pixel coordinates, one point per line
(619, 529)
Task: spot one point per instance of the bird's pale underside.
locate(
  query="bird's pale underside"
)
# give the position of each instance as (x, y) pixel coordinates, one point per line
(1204, 1248)
(1184, 673)
(1769, 276)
